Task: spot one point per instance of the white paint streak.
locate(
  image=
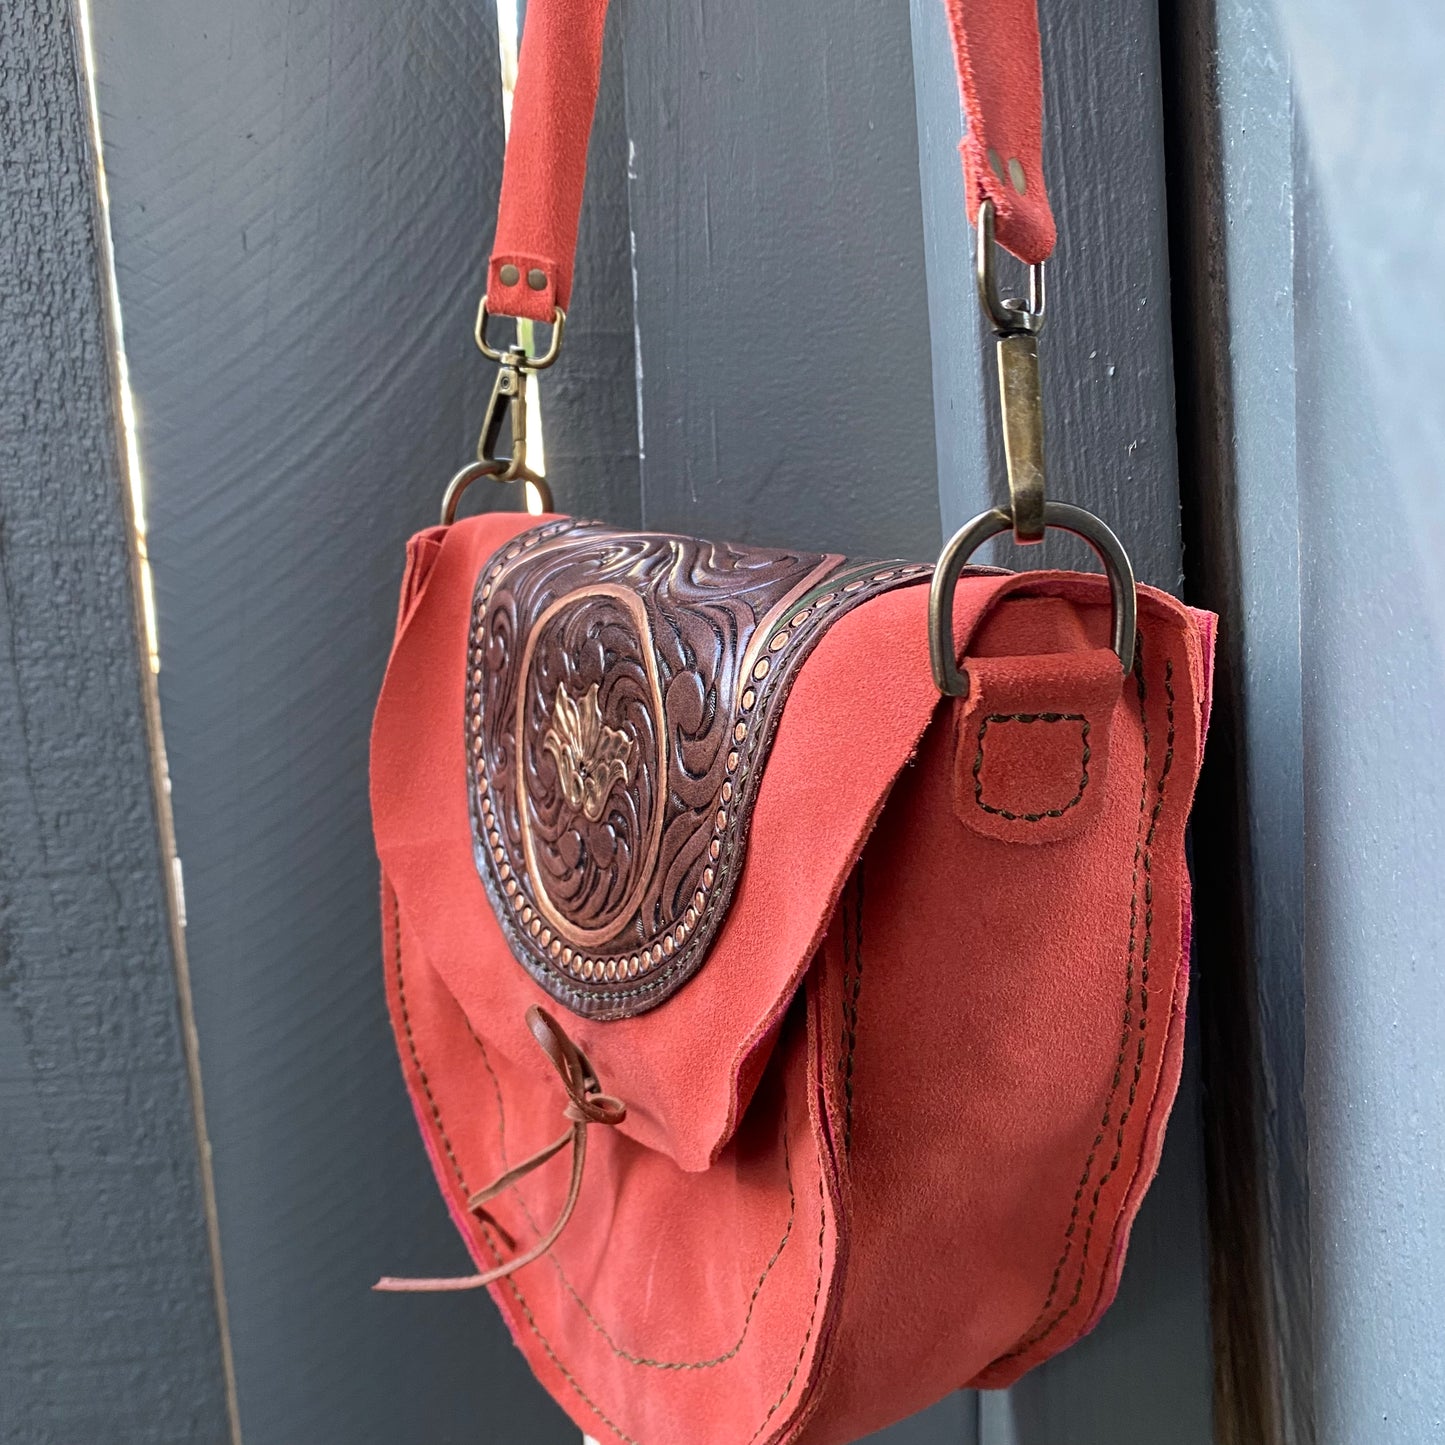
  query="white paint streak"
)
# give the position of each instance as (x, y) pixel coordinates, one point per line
(508, 44)
(160, 771)
(126, 398)
(636, 338)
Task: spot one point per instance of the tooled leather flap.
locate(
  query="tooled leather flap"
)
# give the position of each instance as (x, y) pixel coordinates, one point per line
(855, 715)
(624, 690)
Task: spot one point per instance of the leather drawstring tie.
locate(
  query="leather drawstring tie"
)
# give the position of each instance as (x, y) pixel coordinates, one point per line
(586, 1104)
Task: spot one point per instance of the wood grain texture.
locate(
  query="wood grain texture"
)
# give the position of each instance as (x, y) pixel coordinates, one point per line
(1106, 347)
(967, 432)
(302, 199)
(1366, 83)
(589, 398)
(1109, 395)
(110, 1321)
(783, 365)
(782, 319)
(1373, 704)
(1232, 197)
(1324, 800)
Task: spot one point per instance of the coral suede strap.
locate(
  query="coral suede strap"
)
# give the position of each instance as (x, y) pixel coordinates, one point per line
(996, 45)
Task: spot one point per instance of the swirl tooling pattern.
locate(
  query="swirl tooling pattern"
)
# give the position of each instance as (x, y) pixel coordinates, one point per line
(622, 691)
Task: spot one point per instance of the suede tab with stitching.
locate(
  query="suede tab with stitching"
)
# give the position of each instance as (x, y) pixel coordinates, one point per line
(891, 1137)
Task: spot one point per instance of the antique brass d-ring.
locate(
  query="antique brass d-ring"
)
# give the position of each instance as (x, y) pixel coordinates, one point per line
(474, 471)
(952, 680)
(532, 363)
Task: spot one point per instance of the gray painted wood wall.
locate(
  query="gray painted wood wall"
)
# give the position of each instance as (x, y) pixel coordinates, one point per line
(301, 218)
(1369, 119)
(298, 194)
(1311, 441)
(108, 1321)
(773, 338)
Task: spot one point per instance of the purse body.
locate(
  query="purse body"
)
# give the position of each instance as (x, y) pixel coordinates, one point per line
(891, 985)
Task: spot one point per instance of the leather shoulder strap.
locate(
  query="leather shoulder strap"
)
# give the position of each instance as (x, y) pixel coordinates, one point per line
(996, 45)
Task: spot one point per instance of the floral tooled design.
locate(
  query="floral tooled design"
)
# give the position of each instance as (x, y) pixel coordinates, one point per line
(610, 853)
(591, 757)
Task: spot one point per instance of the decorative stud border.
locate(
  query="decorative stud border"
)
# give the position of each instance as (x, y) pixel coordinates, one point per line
(755, 717)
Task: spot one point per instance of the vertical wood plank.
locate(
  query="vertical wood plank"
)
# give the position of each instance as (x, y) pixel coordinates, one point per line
(1323, 805)
(781, 305)
(1106, 349)
(1374, 837)
(110, 1317)
(589, 397)
(1232, 194)
(303, 201)
(782, 320)
(1109, 394)
(1369, 93)
(1373, 650)
(963, 369)
(1366, 80)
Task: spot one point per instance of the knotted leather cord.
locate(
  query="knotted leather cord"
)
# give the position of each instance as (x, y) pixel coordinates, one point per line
(586, 1104)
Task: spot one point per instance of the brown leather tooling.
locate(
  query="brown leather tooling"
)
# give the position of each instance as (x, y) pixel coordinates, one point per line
(623, 690)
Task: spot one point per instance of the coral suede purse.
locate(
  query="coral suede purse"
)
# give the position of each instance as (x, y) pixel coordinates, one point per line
(787, 953)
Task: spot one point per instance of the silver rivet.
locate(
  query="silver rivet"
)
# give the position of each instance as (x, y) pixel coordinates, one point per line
(995, 162)
(536, 279)
(1016, 175)
(509, 275)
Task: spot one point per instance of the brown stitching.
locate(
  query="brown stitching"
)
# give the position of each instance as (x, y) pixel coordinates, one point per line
(552, 1354)
(501, 1107)
(436, 1113)
(571, 1289)
(812, 1319)
(822, 1219)
(496, 1252)
(1143, 857)
(461, 1180)
(822, 1213)
(722, 1359)
(850, 1004)
(1031, 717)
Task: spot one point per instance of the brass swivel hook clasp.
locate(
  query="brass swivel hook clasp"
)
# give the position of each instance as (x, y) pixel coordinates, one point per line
(509, 399)
(1016, 324)
(508, 402)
